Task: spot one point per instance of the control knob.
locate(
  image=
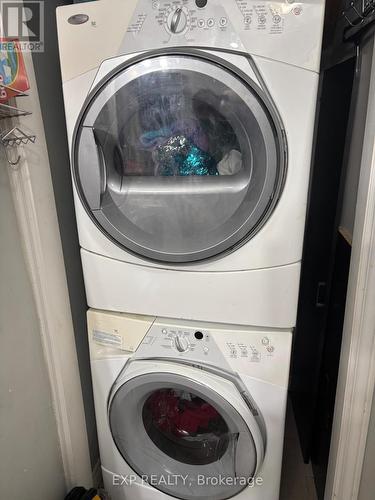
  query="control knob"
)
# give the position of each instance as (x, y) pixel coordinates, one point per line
(181, 343)
(177, 21)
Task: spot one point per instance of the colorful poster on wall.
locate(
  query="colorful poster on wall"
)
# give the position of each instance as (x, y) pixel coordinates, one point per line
(12, 70)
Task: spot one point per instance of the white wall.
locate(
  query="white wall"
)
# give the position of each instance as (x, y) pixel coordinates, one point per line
(31, 464)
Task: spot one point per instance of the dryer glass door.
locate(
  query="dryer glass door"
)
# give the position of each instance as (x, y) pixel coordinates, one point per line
(178, 158)
(182, 436)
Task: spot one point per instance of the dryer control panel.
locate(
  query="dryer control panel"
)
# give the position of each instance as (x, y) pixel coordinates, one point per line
(283, 30)
(287, 30)
(180, 23)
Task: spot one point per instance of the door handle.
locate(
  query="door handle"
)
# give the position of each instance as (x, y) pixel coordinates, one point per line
(321, 294)
(90, 169)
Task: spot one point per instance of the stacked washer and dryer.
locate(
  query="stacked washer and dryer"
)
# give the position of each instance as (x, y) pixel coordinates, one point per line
(190, 125)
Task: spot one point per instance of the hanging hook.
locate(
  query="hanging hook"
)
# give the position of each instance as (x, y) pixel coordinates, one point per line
(350, 22)
(12, 163)
(12, 138)
(352, 5)
(361, 18)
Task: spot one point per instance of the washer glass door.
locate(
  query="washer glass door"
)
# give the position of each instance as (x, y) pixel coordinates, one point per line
(182, 436)
(177, 157)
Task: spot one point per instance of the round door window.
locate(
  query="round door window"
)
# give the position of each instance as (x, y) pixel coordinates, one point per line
(185, 427)
(178, 158)
(182, 435)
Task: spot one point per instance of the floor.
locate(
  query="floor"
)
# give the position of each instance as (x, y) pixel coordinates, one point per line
(297, 481)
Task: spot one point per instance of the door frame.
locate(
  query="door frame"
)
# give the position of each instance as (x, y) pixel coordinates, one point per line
(33, 198)
(356, 379)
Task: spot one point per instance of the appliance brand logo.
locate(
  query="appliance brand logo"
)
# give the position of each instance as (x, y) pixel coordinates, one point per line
(23, 21)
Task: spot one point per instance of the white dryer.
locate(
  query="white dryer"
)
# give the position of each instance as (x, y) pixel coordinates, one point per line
(188, 410)
(190, 126)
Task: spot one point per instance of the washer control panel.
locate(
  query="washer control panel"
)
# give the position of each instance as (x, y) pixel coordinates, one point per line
(172, 340)
(254, 351)
(262, 354)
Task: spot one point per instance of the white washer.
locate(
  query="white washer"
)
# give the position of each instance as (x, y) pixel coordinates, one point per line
(188, 410)
(229, 87)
